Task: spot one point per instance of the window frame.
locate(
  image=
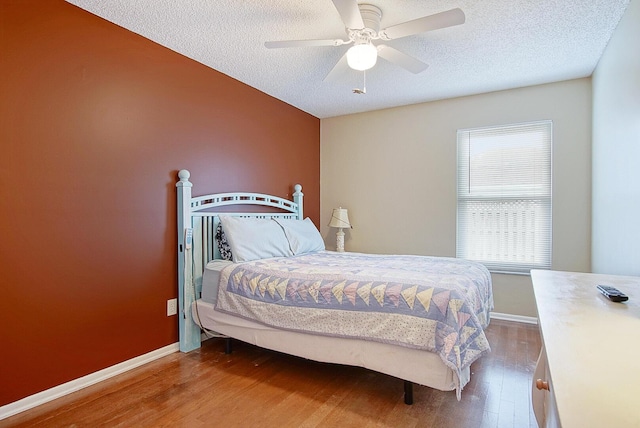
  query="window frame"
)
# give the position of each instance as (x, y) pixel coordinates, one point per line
(537, 200)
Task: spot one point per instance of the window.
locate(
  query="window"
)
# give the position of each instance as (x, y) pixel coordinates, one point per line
(504, 196)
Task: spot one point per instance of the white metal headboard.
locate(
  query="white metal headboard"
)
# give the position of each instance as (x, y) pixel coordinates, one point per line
(200, 215)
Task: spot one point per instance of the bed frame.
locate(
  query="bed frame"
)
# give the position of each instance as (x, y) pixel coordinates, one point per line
(200, 215)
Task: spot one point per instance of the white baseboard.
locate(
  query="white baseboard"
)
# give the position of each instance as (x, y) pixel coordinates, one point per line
(88, 380)
(515, 318)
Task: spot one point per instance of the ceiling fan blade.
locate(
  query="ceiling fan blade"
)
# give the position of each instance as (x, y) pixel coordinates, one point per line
(405, 61)
(304, 43)
(338, 69)
(445, 19)
(349, 13)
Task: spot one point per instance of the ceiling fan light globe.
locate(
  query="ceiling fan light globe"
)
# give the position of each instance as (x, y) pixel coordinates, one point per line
(362, 57)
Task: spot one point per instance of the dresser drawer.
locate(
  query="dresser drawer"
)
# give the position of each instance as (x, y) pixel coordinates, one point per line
(542, 398)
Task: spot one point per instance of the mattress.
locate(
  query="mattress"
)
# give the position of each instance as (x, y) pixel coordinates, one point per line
(211, 279)
(421, 367)
(415, 365)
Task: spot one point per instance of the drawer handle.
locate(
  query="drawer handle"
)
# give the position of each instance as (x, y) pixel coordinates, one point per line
(541, 384)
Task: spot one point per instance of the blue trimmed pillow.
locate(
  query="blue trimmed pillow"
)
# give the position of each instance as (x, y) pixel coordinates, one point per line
(223, 244)
(254, 238)
(303, 235)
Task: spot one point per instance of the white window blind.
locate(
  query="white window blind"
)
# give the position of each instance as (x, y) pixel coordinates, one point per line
(504, 196)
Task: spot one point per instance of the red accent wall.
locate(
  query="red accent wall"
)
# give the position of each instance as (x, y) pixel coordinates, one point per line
(95, 122)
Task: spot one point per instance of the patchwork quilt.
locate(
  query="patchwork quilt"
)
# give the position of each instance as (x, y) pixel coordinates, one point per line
(436, 304)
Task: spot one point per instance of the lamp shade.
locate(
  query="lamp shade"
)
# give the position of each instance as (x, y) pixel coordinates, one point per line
(362, 57)
(339, 218)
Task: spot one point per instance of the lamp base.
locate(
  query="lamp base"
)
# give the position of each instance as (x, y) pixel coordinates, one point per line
(340, 241)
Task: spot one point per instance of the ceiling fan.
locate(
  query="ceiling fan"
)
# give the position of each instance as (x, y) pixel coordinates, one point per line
(362, 25)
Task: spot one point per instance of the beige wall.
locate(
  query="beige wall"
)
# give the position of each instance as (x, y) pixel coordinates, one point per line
(395, 170)
(616, 151)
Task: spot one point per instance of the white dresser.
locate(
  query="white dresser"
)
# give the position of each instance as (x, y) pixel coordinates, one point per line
(590, 359)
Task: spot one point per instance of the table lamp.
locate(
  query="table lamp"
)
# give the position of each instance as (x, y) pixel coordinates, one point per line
(340, 219)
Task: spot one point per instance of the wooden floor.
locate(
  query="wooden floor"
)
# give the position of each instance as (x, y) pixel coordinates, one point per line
(258, 388)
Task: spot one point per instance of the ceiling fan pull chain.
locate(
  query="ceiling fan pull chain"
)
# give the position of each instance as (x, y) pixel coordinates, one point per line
(364, 84)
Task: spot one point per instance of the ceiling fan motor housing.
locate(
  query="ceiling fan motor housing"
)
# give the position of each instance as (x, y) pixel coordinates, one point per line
(371, 16)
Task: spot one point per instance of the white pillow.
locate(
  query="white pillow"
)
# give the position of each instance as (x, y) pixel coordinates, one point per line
(303, 235)
(254, 238)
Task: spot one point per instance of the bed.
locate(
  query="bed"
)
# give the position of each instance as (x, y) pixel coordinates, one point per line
(420, 319)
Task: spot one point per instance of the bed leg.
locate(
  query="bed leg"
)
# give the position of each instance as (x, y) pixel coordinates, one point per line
(408, 392)
(227, 346)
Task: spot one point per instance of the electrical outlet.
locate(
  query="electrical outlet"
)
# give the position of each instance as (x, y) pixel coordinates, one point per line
(172, 307)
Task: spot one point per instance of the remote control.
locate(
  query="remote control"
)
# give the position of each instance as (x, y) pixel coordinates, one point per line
(612, 293)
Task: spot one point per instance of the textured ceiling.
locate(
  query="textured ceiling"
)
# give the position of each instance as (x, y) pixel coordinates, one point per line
(503, 44)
